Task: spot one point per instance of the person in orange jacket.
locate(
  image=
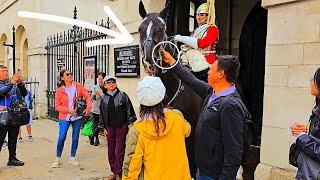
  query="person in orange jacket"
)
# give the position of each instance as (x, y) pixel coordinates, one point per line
(203, 39)
(69, 115)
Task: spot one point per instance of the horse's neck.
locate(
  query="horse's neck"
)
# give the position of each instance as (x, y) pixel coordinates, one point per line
(171, 82)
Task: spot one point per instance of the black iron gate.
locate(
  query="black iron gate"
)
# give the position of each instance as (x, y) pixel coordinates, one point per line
(67, 50)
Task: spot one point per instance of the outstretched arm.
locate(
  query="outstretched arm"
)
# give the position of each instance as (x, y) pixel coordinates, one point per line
(200, 87)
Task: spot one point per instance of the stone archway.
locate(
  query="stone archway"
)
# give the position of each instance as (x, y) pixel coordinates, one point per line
(20, 33)
(24, 61)
(252, 47)
(3, 52)
(21, 51)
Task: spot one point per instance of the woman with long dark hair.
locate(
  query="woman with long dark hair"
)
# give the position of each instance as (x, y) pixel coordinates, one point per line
(155, 145)
(66, 97)
(308, 141)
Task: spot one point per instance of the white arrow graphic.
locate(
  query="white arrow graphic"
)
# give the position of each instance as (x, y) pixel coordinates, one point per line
(124, 37)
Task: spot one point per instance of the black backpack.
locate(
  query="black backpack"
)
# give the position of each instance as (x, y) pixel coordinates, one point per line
(18, 112)
(248, 130)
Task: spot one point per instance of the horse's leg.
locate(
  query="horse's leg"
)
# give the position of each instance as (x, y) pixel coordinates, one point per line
(191, 156)
(249, 165)
(190, 140)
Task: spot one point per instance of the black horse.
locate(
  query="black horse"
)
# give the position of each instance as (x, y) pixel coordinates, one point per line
(153, 31)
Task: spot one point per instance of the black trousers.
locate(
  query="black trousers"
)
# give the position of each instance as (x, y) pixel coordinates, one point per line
(12, 139)
(96, 129)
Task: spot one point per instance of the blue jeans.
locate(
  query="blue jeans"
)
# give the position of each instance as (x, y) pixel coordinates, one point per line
(201, 176)
(63, 130)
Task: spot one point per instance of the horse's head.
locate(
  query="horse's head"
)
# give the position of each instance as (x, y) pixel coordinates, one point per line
(152, 31)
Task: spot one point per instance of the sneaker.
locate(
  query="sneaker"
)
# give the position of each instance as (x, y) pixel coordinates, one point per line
(5, 143)
(15, 162)
(73, 161)
(56, 163)
(30, 139)
(91, 139)
(97, 143)
(20, 140)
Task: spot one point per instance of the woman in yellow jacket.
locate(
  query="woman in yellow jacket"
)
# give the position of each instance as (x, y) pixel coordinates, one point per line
(155, 145)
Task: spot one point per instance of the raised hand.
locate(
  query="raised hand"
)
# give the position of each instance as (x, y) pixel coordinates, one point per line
(15, 79)
(296, 129)
(168, 58)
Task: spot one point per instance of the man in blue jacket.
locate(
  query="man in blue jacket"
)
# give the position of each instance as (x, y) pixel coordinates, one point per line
(219, 131)
(8, 94)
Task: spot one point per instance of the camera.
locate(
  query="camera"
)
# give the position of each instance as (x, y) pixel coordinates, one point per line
(81, 105)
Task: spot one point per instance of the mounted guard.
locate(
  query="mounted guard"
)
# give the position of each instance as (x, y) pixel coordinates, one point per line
(199, 48)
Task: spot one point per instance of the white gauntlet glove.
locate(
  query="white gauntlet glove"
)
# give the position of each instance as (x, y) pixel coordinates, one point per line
(190, 41)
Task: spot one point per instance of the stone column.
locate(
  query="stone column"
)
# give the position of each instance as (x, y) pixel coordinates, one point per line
(292, 56)
(38, 70)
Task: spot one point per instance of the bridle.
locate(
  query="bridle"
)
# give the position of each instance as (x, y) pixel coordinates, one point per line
(150, 34)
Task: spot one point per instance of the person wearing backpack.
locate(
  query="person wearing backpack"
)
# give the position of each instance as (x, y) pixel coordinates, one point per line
(66, 98)
(8, 94)
(219, 132)
(308, 138)
(117, 114)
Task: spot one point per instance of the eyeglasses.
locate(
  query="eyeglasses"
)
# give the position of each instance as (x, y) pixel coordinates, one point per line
(68, 74)
(110, 82)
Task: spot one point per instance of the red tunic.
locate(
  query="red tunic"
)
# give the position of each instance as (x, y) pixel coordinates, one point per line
(207, 43)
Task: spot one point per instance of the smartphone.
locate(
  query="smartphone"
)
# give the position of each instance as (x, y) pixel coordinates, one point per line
(96, 88)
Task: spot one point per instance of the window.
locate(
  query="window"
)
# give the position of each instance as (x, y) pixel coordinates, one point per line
(192, 16)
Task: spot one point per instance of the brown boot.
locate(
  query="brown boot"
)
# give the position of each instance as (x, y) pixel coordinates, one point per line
(111, 177)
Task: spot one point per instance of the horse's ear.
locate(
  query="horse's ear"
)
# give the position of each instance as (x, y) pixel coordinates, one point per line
(142, 10)
(165, 12)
